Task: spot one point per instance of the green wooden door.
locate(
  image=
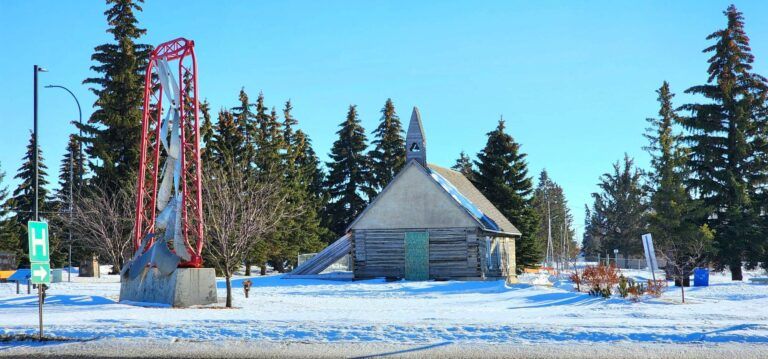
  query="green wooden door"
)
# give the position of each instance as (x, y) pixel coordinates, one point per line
(416, 255)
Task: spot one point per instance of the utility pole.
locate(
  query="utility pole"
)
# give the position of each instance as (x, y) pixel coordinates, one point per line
(550, 247)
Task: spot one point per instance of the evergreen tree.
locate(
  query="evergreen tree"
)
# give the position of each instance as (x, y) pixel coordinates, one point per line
(23, 199)
(112, 134)
(676, 220)
(619, 210)
(289, 135)
(590, 243)
(60, 208)
(388, 154)
(550, 204)
(502, 176)
(302, 233)
(268, 138)
(464, 165)
(349, 179)
(76, 168)
(9, 242)
(245, 120)
(206, 132)
(309, 165)
(226, 143)
(729, 148)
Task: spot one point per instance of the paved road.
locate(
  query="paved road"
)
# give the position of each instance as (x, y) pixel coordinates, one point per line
(119, 348)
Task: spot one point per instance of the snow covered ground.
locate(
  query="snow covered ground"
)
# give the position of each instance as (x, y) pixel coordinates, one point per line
(418, 313)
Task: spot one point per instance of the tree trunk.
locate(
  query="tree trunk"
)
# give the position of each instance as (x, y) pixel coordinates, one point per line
(247, 267)
(278, 264)
(263, 269)
(736, 271)
(683, 281)
(229, 289)
(682, 292)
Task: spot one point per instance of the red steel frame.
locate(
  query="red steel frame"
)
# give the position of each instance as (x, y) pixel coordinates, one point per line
(179, 49)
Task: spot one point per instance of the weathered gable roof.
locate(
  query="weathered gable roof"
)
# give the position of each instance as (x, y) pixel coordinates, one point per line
(472, 200)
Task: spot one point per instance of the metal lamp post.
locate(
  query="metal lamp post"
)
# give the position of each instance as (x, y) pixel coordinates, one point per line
(37, 69)
(37, 149)
(71, 173)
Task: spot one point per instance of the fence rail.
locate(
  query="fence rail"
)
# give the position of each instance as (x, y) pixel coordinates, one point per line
(622, 262)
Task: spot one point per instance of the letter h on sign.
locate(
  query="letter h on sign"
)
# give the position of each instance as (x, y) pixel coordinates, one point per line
(38, 241)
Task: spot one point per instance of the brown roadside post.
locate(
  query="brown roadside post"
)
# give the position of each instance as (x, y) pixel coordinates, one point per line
(247, 286)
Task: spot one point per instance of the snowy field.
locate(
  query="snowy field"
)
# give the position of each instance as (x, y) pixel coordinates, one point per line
(312, 312)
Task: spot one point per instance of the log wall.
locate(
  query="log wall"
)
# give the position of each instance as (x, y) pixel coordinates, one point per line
(453, 253)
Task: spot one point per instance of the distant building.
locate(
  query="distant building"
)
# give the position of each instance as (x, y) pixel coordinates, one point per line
(8, 261)
(429, 222)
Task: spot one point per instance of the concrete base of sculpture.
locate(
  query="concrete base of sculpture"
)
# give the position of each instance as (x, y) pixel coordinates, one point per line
(183, 288)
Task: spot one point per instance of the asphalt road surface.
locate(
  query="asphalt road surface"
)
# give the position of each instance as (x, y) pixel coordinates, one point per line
(124, 348)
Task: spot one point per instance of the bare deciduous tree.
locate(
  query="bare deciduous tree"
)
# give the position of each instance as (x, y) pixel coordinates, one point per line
(686, 254)
(239, 212)
(104, 224)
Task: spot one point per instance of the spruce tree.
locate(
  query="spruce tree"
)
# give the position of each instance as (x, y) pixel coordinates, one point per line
(349, 181)
(676, 221)
(227, 142)
(302, 233)
(289, 135)
(245, 119)
(112, 134)
(72, 162)
(619, 209)
(502, 176)
(59, 224)
(309, 165)
(9, 242)
(206, 132)
(590, 243)
(23, 197)
(464, 165)
(729, 149)
(388, 154)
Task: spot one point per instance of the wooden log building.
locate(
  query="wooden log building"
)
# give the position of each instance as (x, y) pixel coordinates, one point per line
(429, 222)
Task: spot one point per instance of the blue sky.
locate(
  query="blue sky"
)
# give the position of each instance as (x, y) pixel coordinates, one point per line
(574, 80)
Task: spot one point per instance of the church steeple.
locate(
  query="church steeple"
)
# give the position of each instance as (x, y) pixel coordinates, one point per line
(415, 141)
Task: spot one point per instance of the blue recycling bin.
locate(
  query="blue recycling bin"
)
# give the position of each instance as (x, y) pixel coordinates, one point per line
(701, 277)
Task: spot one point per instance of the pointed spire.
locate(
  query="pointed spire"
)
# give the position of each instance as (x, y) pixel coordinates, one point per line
(415, 141)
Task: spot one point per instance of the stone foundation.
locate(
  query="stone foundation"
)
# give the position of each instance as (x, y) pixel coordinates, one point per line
(183, 288)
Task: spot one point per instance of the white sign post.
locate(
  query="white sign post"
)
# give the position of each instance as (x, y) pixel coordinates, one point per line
(650, 255)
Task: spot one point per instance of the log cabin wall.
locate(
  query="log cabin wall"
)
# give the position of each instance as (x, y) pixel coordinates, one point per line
(453, 252)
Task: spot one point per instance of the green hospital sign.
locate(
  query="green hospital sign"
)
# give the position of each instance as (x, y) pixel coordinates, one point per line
(39, 254)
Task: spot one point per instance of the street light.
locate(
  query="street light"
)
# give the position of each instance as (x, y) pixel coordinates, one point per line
(71, 173)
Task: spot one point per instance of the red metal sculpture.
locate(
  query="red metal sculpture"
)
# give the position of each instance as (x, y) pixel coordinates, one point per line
(182, 162)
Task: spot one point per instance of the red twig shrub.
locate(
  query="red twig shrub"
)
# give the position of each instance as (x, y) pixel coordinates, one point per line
(601, 279)
(656, 288)
(575, 277)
